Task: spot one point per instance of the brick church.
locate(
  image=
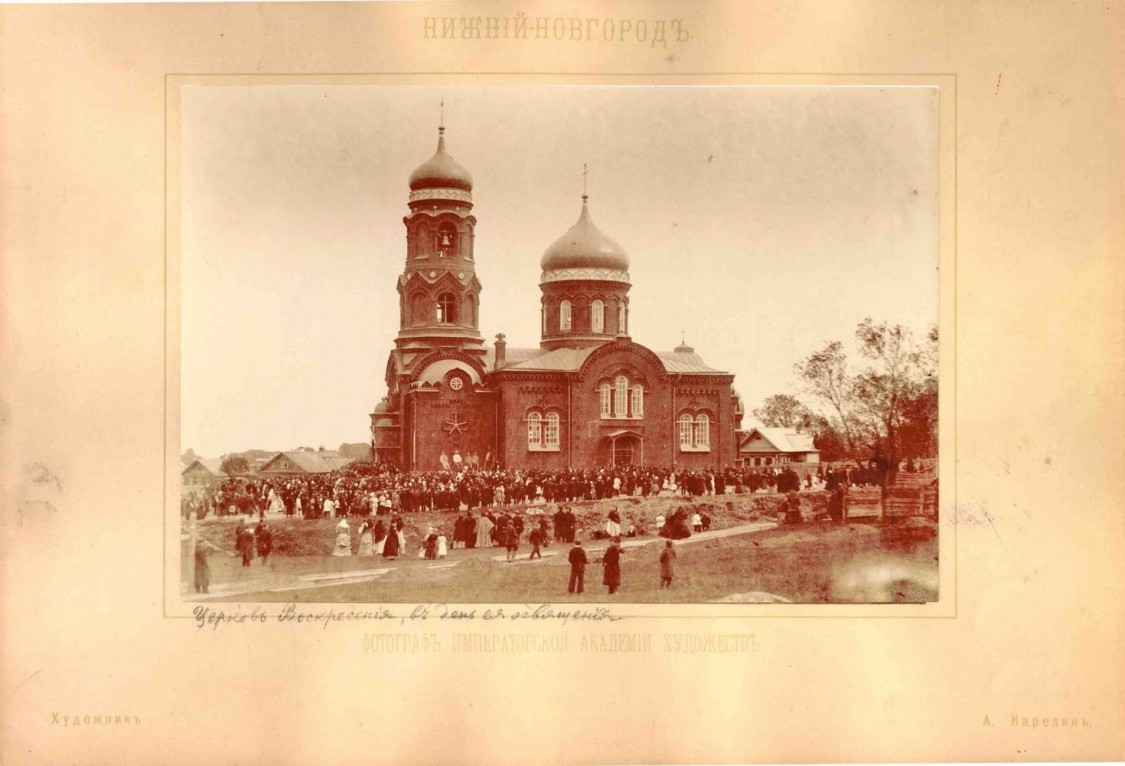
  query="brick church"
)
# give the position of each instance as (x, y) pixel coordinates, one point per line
(587, 396)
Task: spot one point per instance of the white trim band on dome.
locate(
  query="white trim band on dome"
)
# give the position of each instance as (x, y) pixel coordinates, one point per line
(442, 193)
(567, 275)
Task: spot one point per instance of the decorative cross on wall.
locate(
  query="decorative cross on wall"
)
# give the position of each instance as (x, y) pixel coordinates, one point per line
(455, 425)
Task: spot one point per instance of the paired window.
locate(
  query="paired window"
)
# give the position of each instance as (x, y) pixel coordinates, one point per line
(597, 317)
(695, 433)
(543, 432)
(619, 399)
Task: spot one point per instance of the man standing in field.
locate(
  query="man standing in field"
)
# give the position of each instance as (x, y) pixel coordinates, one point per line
(612, 563)
(577, 568)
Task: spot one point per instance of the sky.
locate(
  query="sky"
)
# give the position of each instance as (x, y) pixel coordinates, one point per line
(760, 222)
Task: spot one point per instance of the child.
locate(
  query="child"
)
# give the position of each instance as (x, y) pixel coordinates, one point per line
(441, 546)
(667, 564)
(535, 539)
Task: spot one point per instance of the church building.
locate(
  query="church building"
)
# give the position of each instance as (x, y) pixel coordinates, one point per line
(587, 396)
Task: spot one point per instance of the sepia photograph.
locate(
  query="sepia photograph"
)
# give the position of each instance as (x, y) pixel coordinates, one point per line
(657, 383)
(558, 344)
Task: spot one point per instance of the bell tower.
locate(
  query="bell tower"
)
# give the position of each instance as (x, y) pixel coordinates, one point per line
(439, 293)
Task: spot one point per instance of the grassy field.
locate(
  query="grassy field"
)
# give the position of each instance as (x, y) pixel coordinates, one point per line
(811, 563)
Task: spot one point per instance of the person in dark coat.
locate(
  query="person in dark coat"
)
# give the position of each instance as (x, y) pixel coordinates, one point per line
(390, 547)
(560, 524)
(667, 564)
(202, 570)
(578, 562)
(511, 541)
(611, 561)
(264, 539)
(245, 545)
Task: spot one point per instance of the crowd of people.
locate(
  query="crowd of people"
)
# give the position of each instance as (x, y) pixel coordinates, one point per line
(497, 508)
(368, 488)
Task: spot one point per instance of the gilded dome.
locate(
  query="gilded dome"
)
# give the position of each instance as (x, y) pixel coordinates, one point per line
(441, 171)
(585, 246)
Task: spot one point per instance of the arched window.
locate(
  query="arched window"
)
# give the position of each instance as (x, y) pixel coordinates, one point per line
(637, 405)
(597, 317)
(620, 396)
(470, 311)
(551, 431)
(446, 309)
(701, 439)
(534, 430)
(564, 316)
(685, 431)
(621, 328)
(607, 400)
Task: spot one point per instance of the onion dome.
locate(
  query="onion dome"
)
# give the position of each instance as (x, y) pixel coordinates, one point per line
(585, 246)
(441, 171)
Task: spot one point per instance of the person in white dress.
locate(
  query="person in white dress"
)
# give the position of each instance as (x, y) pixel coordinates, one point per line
(366, 544)
(442, 546)
(343, 539)
(329, 508)
(659, 523)
(613, 525)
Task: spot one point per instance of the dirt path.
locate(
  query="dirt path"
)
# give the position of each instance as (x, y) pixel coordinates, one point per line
(374, 567)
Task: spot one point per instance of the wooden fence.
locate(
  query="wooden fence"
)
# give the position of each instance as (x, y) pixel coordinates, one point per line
(910, 494)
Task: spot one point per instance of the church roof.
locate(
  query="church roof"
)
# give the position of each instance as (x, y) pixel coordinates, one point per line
(677, 361)
(512, 355)
(559, 360)
(584, 246)
(441, 171)
(571, 359)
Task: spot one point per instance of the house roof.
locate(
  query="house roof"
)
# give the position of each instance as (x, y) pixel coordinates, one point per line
(312, 462)
(210, 464)
(782, 439)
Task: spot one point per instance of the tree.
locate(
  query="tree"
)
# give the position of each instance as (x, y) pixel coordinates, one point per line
(235, 465)
(825, 373)
(886, 409)
(784, 411)
(892, 383)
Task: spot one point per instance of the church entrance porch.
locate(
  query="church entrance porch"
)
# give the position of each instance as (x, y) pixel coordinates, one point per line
(625, 448)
